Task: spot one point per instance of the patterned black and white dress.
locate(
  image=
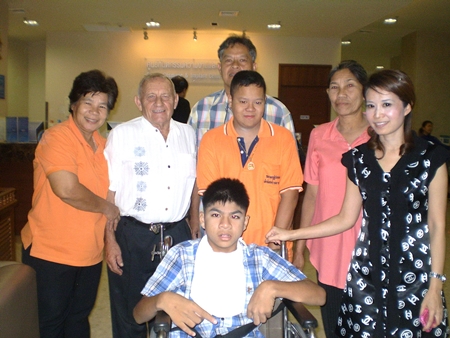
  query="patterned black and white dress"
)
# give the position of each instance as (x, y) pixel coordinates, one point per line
(388, 273)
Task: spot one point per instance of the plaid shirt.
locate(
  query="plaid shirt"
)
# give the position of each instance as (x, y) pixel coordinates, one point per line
(175, 273)
(213, 111)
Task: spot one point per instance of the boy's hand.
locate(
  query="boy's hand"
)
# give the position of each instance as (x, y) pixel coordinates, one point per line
(261, 304)
(184, 313)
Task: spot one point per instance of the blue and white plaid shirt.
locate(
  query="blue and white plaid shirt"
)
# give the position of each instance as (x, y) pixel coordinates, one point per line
(175, 273)
(213, 111)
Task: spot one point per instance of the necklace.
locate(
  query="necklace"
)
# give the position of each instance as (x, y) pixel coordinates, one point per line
(245, 158)
(242, 146)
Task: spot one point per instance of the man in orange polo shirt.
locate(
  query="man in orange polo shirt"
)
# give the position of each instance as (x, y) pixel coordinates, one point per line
(260, 154)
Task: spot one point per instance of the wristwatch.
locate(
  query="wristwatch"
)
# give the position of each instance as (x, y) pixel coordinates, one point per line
(442, 278)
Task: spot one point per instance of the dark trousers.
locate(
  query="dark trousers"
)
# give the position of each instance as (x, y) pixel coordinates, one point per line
(330, 310)
(136, 242)
(66, 296)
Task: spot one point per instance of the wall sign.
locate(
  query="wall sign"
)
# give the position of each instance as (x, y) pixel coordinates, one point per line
(196, 71)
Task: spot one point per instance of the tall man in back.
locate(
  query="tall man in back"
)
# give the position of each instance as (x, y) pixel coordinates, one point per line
(260, 154)
(236, 53)
(151, 162)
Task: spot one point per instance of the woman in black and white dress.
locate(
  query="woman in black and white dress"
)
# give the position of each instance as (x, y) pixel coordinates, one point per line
(396, 272)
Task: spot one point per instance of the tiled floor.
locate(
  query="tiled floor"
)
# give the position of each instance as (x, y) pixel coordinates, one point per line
(101, 321)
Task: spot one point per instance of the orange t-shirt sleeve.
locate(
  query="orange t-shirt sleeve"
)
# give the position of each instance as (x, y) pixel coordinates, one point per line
(291, 170)
(207, 165)
(53, 153)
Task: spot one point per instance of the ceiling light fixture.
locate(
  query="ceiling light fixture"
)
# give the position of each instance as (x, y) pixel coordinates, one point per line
(380, 67)
(152, 24)
(274, 25)
(390, 21)
(346, 42)
(30, 22)
(195, 35)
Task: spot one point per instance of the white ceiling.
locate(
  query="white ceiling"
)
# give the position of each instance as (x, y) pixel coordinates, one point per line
(343, 19)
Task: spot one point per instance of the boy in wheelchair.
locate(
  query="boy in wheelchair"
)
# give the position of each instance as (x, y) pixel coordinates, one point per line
(218, 283)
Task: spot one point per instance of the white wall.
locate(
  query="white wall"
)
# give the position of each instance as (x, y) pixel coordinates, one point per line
(122, 55)
(426, 59)
(17, 78)
(36, 81)
(433, 82)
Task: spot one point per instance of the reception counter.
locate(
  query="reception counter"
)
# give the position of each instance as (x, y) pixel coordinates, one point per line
(16, 171)
(7, 239)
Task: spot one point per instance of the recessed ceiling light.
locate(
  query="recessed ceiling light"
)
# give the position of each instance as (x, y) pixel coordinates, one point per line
(152, 23)
(390, 21)
(30, 22)
(274, 25)
(346, 42)
(380, 67)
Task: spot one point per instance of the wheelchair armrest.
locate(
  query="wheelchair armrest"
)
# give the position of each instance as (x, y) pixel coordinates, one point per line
(301, 314)
(162, 324)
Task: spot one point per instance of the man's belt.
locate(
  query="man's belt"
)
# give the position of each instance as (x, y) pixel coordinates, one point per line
(154, 227)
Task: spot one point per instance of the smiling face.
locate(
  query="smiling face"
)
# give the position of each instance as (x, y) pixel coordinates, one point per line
(156, 101)
(345, 93)
(386, 113)
(224, 225)
(234, 59)
(90, 113)
(248, 104)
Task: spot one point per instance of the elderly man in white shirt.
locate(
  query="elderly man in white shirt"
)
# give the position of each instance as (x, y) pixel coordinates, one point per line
(152, 170)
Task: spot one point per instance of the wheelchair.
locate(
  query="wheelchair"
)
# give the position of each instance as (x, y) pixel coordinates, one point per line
(277, 326)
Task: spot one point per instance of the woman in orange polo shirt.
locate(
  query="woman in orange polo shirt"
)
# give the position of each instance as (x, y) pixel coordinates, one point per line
(63, 239)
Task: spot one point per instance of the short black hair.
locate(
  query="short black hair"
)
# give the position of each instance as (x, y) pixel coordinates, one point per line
(424, 123)
(226, 190)
(354, 67)
(245, 78)
(93, 81)
(234, 39)
(180, 83)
